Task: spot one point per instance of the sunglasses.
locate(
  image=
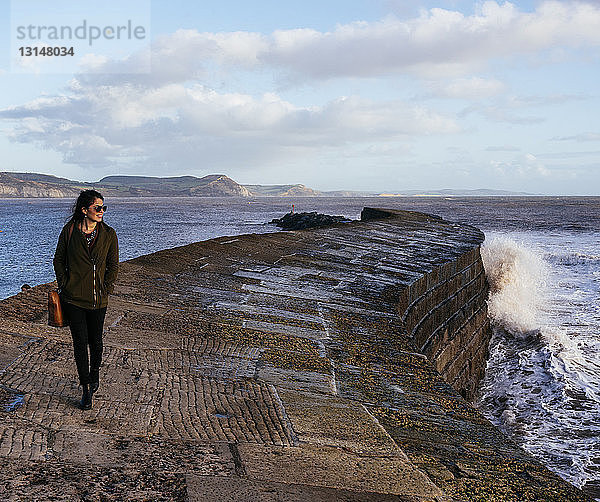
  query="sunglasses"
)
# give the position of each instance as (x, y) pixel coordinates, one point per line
(99, 208)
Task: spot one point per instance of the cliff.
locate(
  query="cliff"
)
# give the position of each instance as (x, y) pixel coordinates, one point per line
(283, 191)
(11, 186)
(213, 185)
(324, 364)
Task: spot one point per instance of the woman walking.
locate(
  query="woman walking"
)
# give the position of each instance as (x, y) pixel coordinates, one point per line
(86, 264)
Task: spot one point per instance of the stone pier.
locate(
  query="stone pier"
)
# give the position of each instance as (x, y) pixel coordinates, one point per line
(317, 365)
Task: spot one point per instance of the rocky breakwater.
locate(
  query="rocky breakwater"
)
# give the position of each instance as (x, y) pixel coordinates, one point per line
(302, 221)
(298, 365)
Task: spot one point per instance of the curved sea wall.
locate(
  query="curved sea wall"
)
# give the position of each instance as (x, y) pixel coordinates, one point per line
(323, 364)
(445, 312)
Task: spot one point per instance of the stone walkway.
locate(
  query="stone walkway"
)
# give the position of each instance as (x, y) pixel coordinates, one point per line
(259, 367)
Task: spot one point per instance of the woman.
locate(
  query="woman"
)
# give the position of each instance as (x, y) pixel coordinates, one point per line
(86, 263)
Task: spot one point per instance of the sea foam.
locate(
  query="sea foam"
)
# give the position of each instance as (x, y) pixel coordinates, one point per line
(517, 276)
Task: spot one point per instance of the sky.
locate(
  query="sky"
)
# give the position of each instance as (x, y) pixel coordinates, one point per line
(373, 95)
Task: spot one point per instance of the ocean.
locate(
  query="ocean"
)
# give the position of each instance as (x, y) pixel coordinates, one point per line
(542, 383)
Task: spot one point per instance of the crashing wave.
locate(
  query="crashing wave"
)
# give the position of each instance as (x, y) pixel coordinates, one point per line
(517, 277)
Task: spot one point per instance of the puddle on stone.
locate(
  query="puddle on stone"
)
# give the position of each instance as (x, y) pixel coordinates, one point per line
(10, 401)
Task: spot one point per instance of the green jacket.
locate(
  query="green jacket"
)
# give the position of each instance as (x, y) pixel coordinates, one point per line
(85, 278)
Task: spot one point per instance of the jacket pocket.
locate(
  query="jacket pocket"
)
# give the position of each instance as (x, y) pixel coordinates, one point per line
(102, 290)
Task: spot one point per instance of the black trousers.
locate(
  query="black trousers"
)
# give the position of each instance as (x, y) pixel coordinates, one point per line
(86, 330)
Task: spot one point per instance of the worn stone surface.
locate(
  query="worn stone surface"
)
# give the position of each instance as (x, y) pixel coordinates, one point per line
(326, 364)
(215, 488)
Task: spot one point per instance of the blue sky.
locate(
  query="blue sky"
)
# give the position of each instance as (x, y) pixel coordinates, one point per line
(382, 95)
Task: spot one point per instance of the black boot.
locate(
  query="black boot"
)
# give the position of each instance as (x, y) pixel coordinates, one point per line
(86, 398)
(94, 380)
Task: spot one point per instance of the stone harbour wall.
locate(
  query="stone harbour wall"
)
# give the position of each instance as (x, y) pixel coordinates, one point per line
(445, 312)
(322, 364)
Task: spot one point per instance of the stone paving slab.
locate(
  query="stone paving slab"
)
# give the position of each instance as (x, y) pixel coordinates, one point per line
(318, 383)
(55, 412)
(270, 327)
(326, 466)
(220, 489)
(331, 421)
(216, 410)
(23, 442)
(102, 449)
(11, 345)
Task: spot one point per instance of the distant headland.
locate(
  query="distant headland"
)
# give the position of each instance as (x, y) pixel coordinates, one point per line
(35, 185)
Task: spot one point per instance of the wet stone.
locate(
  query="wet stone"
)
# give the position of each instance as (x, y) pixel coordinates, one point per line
(300, 221)
(10, 400)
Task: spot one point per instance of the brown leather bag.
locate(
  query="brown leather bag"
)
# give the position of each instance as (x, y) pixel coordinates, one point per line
(56, 316)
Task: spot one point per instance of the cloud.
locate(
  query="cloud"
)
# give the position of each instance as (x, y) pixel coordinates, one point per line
(526, 166)
(510, 108)
(554, 99)
(184, 126)
(468, 88)
(504, 148)
(185, 55)
(439, 43)
(586, 136)
(501, 112)
(568, 155)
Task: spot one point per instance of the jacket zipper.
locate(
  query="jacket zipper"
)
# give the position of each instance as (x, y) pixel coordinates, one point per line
(94, 285)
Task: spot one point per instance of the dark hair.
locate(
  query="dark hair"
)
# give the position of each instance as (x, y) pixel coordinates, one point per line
(86, 199)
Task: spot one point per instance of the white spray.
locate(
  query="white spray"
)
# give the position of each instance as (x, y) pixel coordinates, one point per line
(517, 278)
